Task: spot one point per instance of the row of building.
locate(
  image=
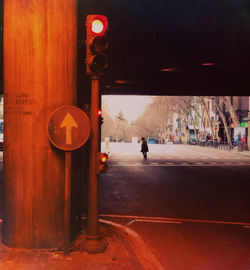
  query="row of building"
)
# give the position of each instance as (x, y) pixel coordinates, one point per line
(200, 125)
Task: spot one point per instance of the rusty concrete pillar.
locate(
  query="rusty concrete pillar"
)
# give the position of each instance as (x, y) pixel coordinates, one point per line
(39, 76)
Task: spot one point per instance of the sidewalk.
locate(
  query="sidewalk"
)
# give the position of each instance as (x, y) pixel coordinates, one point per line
(116, 256)
(122, 253)
(244, 153)
(233, 151)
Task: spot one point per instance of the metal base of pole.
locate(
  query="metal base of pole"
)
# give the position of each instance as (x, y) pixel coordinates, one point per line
(95, 244)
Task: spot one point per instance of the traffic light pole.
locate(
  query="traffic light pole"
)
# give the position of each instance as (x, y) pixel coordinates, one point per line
(94, 242)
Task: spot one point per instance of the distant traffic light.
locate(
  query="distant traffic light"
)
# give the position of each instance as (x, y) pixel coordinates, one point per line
(96, 44)
(99, 112)
(101, 163)
(101, 119)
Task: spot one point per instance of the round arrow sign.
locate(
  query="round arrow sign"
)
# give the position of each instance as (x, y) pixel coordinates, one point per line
(68, 128)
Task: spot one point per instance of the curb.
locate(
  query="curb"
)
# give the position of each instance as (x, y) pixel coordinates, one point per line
(140, 249)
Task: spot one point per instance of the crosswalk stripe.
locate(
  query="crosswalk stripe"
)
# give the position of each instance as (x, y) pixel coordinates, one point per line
(154, 164)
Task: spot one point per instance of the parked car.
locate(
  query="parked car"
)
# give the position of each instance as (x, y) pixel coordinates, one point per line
(151, 140)
(178, 142)
(193, 141)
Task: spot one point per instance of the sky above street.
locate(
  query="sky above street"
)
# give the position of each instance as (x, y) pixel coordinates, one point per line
(131, 106)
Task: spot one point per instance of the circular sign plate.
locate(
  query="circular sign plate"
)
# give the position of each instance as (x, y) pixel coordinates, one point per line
(68, 128)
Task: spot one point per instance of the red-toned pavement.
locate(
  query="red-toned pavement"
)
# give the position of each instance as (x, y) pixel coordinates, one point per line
(147, 243)
(181, 244)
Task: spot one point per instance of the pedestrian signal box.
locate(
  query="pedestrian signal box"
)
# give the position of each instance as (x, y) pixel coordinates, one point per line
(96, 44)
(101, 163)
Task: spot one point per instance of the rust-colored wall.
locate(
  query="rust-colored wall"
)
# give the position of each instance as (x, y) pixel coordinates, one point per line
(39, 76)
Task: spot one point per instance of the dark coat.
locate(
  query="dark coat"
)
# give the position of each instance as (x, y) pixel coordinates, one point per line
(144, 146)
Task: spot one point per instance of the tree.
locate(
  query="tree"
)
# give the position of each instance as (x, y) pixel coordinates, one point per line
(153, 122)
(219, 101)
(202, 100)
(121, 128)
(184, 106)
(108, 126)
(227, 101)
(120, 116)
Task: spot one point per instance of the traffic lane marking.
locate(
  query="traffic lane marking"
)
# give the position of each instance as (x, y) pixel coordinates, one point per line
(167, 220)
(188, 158)
(158, 221)
(153, 221)
(169, 164)
(201, 153)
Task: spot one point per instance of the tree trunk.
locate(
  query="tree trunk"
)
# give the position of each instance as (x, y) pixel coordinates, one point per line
(184, 122)
(186, 132)
(217, 104)
(194, 125)
(232, 112)
(209, 118)
(203, 123)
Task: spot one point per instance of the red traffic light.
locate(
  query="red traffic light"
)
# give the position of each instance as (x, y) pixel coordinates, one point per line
(100, 117)
(101, 163)
(96, 44)
(98, 24)
(103, 158)
(99, 112)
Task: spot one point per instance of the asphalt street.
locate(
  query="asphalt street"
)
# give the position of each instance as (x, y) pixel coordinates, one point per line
(189, 204)
(177, 181)
(185, 192)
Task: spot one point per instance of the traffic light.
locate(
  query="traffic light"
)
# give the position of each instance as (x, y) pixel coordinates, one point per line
(101, 120)
(101, 163)
(96, 44)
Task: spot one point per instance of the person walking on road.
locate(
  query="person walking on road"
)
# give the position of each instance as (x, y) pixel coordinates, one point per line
(144, 147)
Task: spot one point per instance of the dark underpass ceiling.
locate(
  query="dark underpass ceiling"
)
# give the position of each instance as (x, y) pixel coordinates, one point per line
(175, 47)
(161, 47)
(182, 83)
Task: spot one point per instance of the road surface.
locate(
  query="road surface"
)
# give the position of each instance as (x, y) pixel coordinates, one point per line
(190, 205)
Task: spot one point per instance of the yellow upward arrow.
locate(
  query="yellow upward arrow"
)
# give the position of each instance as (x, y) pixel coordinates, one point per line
(68, 122)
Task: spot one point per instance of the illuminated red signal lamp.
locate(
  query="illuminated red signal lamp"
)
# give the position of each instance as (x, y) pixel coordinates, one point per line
(101, 163)
(103, 158)
(98, 24)
(101, 119)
